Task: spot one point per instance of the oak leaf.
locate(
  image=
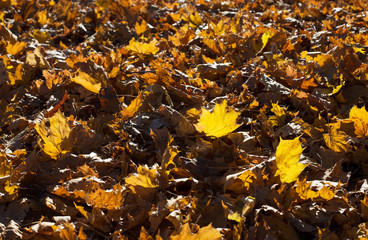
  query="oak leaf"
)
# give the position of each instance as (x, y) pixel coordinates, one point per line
(204, 233)
(360, 118)
(54, 137)
(287, 160)
(218, 123)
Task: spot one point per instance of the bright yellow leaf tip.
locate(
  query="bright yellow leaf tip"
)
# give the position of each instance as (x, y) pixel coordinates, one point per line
(218, 123)
(287, 160)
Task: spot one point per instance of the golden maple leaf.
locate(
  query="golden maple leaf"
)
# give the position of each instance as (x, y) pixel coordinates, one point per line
(5, 173)
(144, 182)
(141, 28)
(108, 199)
(360, 118)
(14, 49)
(280, 115)
(218, 123)
(266, 36)
(336, 140)
(139, 48)
(306, 190)
(17, 76)
(204, 233)
(287, 160)
(55, 136)
(87, 81)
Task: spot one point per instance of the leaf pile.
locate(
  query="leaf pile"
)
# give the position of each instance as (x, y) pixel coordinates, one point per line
(160, 119)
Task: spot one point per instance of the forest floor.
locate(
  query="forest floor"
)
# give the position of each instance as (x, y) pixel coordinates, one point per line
(159, 119)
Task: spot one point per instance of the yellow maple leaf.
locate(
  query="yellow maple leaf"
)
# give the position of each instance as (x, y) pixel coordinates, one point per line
(336, 140)
(144, 182)
(87, 81)
(287, 160)
(139, 48)
(360, 118)
(107, 199)
(141, 28)
(280, 115)
(195, 20)
(218, 28)
(55, 136)
(218, 123)
(204, 233)
(266, 36)
(306, 190)
(132, 108)
(14, 49)
(17, 76)
(6, 170)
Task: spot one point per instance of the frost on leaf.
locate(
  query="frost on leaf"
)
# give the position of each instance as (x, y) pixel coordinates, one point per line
(287, 160)
(204, 233)
(218, 123)
(54, 138)
(360, 118)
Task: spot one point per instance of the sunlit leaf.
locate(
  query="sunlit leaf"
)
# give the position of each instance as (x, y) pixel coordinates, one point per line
(107, 199)
(141, 28)
(87, 81)
(144, 182)
(336, 140)
(17, 76)
(287, 160)
(280, 115)
(220, 122)
(14, 49)
(6, 170)
(360, 118)
(54, 136)
(266, 36)
(204, 233)
(140, 48)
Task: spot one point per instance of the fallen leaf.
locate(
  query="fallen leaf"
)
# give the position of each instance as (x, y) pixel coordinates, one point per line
(87, 81)
(287, 160)
(218, 123)
(140, 48)
(204, 233)
(55, 136)
(336, 140)
(360, 118)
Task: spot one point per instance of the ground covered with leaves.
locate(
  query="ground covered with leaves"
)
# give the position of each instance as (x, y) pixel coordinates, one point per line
(139, 119)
